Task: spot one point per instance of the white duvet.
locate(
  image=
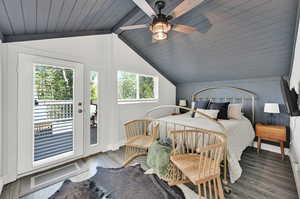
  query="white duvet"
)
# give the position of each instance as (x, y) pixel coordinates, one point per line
(240, 134)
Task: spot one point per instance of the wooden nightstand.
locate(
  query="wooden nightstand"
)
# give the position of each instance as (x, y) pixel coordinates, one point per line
(274, 133)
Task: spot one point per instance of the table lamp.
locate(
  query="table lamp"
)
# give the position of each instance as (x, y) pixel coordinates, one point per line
(271, 108)
(183, 103)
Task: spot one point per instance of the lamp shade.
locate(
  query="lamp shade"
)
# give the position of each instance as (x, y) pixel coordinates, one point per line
(271, 108)
(182, 102)
(193, 105)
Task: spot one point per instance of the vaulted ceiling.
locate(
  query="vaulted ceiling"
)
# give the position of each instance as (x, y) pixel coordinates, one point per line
(237, 39)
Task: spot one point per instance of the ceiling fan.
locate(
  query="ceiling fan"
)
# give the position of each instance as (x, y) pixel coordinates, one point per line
(162, 23)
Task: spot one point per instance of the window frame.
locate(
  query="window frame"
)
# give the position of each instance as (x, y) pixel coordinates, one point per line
(138, 99)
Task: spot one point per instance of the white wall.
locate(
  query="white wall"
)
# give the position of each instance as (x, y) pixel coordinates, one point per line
(295, 121)
(106, 53)
(128, 60)
(295, 75)
(295, 83)
(1, 145)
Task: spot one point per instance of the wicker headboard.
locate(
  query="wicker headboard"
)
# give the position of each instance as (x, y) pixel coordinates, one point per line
(232, 95)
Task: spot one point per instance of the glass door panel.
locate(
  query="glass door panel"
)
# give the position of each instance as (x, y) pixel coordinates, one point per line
(94, 105)
(94, 112)
(52, 111)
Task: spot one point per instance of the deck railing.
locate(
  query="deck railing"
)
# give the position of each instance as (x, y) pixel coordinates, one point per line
(46, 110)
(53, 128)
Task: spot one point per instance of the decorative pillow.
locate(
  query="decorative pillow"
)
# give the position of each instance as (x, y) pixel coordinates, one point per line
(211, 113)
(222, 107)
(235, 111)
(201, 104)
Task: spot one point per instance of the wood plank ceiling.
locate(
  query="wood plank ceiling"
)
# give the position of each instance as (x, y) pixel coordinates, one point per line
(238, 38)
(29, 17)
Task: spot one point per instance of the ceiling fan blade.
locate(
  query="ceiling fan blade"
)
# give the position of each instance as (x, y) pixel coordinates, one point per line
(143, 5)
(184, 7)
(184, 29)
(134, 27)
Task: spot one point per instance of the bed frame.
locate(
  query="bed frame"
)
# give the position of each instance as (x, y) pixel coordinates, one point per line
(237, 95)
(245, 97)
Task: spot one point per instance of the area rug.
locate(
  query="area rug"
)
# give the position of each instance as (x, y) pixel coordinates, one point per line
(120, 183)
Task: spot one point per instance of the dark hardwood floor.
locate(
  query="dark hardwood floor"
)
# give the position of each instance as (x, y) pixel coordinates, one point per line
(265, 176)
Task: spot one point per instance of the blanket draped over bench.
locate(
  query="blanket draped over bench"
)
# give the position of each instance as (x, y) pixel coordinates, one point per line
(159, 158)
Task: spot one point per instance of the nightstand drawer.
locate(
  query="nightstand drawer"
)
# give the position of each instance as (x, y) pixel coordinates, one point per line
(271, 132)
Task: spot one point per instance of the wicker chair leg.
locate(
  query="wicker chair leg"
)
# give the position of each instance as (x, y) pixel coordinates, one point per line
(220, 188)
(199, 191)
(227, 189)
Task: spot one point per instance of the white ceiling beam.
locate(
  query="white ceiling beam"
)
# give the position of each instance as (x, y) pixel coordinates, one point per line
(29, 37)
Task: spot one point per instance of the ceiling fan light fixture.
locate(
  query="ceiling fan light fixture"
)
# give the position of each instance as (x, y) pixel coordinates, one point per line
(160, 36)
(160, 30)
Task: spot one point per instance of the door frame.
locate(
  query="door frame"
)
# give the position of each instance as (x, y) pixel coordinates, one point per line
(26, 165)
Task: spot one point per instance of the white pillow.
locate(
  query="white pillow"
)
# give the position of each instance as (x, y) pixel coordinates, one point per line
(235, 111)
(211, 113)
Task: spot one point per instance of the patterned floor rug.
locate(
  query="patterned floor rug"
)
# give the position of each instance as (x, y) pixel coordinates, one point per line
(120, 183)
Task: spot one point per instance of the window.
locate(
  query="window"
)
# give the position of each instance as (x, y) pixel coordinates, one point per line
(137, 87)
(94, 106)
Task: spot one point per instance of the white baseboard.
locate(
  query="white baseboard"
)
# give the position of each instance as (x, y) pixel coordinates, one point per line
(272, 148)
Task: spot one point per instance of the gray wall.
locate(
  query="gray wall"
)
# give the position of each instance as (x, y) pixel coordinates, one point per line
(266, 89)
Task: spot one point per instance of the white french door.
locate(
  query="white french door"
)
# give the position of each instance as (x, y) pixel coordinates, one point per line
(50, 109)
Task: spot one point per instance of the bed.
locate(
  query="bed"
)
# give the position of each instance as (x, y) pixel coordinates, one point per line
(240, 133)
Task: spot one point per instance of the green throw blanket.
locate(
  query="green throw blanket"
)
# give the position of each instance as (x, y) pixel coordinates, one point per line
(158, 158)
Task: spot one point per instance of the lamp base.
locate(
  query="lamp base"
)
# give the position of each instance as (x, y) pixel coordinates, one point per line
(271, 119)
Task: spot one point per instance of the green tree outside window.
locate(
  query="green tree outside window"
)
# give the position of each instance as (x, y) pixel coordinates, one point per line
(146, 87)
(132, 86)
(53, 83)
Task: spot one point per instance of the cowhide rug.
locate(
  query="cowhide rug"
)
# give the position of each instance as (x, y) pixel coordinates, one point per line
(120, 183)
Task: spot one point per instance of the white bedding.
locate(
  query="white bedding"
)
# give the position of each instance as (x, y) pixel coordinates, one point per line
(240, 134)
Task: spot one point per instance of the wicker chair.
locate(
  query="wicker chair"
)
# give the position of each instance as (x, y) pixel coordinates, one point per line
(140, 135)
(197, 154)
